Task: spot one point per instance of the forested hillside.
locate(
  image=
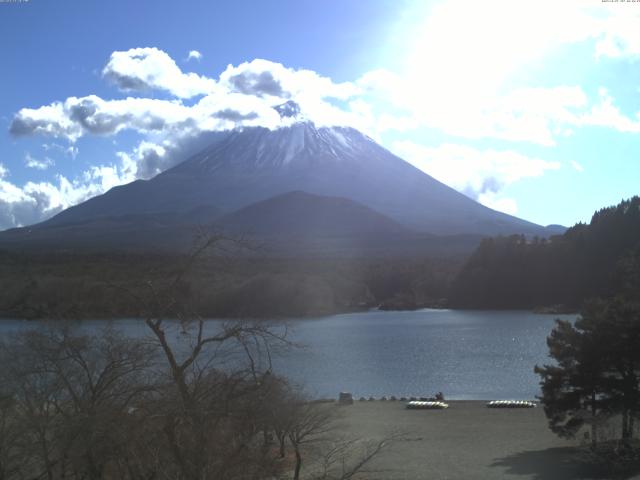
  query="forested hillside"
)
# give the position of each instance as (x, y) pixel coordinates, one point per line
(589, 260)
(67, 285)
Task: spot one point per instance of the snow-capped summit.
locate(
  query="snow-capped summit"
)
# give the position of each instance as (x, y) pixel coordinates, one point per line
(299, 146)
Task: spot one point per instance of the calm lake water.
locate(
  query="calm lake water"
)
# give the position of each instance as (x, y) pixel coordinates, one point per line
(465, 354)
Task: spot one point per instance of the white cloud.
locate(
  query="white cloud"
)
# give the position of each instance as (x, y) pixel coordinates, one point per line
(24, 205)
(52, 146)
(502, 204)
(577, 167)
(140, 69)
(49, 120)
(194, 55)
(473, 47)
(462, 58)
(146, 160)
(37, 201)
(460, 54)
(536, 115)
(245, 96)
(38, 164)
(480, 174)
(606, 114)
(16, 207)
(274, 83)
(380, 100)
(76, 117)
(265, 78)
(72, 151)
(618, 31)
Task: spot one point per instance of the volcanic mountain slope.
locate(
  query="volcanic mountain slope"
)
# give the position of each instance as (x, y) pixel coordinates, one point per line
(293, 217)
(245, 166)
(292, 224)
(160, 231)
(302, 224)
(300, 214)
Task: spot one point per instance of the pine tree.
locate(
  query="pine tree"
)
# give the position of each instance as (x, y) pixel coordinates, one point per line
(572, 390)
(615, 324)
(597, 375)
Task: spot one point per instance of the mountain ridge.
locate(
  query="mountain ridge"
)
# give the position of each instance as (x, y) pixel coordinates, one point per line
(245, 166)
(303, 214)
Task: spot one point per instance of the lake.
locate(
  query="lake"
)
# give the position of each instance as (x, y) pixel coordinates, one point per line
(466, 354)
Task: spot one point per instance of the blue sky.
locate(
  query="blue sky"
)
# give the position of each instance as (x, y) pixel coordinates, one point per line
(528, 107)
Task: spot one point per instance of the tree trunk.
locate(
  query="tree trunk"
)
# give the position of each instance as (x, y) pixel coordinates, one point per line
(296, 474)
(45, 453)
(282, 440)
(594, 427)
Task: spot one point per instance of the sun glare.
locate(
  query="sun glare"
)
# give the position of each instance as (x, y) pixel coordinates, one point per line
(464, 51)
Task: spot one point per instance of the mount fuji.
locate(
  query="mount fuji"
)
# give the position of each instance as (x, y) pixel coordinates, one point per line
(250, 166)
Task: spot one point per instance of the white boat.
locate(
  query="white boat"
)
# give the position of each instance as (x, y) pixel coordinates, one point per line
(420, 405)
(511, 404)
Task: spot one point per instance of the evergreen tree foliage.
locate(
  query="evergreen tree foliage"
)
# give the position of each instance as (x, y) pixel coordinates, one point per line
(596, 376)
(588, 261)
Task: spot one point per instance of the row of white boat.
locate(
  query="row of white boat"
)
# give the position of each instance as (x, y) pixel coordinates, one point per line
(420, 405)
(511, 404)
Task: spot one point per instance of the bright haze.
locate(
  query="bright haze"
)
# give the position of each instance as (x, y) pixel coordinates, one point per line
(530, 108)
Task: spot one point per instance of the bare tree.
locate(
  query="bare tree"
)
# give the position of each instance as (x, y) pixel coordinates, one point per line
(11, 438)
(216, 382)
(69, 394)
(309, 423)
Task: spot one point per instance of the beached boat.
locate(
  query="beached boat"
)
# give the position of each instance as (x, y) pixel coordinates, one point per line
(420, 405)
(511, 404)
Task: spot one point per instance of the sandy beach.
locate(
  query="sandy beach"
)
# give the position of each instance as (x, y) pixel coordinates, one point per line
(466, 441)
